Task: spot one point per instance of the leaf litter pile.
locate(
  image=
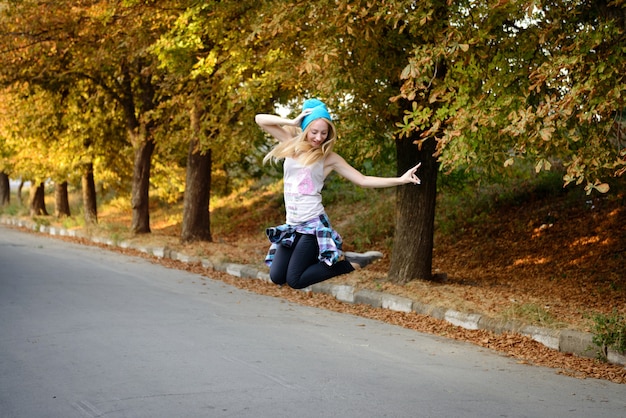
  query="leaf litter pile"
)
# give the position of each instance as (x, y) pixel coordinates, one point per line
(549, 262)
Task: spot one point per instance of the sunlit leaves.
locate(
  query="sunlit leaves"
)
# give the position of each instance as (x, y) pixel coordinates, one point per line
(542, 81)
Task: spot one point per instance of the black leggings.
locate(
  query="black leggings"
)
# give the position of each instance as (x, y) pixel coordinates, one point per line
(299, 266)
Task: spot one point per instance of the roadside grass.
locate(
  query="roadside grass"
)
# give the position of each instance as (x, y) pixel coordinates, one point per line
(532, 313)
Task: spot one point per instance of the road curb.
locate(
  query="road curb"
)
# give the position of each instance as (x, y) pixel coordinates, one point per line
(563, 340)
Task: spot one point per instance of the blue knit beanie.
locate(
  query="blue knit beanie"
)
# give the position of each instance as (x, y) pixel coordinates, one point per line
(319, 110)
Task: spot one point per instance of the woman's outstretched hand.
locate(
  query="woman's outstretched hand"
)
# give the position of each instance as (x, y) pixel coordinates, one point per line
(410, 176)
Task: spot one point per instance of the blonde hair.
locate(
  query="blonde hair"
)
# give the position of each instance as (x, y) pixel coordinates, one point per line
(298, 147)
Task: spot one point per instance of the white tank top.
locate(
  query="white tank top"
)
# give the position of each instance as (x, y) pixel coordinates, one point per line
(303, 190)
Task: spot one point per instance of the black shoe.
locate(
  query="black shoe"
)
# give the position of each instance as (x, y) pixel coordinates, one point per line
(362, 259)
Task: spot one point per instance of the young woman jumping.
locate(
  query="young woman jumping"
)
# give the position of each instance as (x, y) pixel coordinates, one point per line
(306, 249)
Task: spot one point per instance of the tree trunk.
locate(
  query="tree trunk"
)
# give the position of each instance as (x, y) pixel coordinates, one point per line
(37, 200)
(140, 134)
(141, 186)
(90, 204)
(19, 192)
(415, 214)
(61, 200)
(5, 189)
(196, 215)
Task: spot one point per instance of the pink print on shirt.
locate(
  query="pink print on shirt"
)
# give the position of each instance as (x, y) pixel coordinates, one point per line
(305, 181)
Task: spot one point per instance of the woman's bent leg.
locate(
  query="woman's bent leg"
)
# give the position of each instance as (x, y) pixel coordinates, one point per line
(320, 272)
(304, 255)
(305, 269)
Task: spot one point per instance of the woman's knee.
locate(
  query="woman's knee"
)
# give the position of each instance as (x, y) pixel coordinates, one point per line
(280, 278)
(296, 282)
(277, 278)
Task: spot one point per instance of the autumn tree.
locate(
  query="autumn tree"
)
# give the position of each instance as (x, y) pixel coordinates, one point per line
(526, 82)
(112, 53)
(483, 94)
(96, 129)
(215, 58)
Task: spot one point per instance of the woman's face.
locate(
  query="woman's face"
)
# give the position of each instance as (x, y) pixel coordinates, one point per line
(318, 132)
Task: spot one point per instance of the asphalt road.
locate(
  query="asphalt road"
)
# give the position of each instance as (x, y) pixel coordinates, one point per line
(85, 332)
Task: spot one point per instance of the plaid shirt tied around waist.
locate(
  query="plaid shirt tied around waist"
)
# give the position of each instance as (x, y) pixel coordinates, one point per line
(328, 240)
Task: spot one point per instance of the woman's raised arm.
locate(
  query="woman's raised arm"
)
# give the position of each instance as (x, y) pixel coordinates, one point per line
(275, 125)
